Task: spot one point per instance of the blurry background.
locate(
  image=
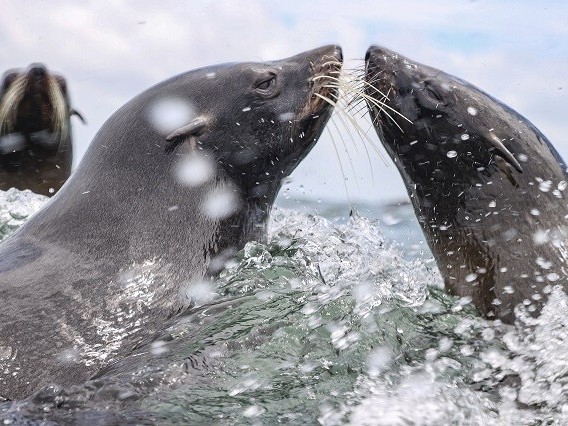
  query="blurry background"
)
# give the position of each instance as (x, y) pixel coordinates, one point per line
(112, 50)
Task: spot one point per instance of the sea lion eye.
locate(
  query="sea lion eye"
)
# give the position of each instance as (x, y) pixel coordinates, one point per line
(266, 83)
(433, 94)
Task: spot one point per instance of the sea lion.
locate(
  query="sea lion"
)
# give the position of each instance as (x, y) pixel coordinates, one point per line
(487, 187)
(174, 183)
(35, 131)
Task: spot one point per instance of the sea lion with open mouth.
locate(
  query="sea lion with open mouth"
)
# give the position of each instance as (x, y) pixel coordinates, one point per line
(487, 187)
(172, 185)
(36, 150)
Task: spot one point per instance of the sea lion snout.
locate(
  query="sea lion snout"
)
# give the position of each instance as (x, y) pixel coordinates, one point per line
(378, 56)
(37, 70)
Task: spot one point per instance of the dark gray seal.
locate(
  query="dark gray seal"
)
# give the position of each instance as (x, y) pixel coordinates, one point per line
(36, 149)
(487, 187)
(172, 185)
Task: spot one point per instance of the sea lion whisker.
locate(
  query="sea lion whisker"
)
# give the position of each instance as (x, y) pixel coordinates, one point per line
(381, 107)
(345, 87)
(378, 108)
(344, 146)
(371, 85)
(358, 130)
(10, 102)
(59, 105)
(338, 113)
(361, 132)
(326, 99)
(344, 176)
(348, 89)
(323, 76)
(362, 107)
(331, 86)
(334, 62)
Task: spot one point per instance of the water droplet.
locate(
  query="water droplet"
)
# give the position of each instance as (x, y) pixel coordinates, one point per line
(169, 114)
(221, 203)
(543, 263)
(67, 356)
(540, 237)
(452, 154)
(159, 347)
(553, 276)
(199, 292)
(464, 137)
(471, 110)
(488, 334)
(287, 116)
(195, 169)
(510, 234)
(253, 411)
(379, 359)
(470, 277)
(246, 109)
(545, 185)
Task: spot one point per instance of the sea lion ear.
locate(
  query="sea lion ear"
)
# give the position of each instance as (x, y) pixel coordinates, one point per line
(7, 79)
(195, 128)
(503, 151)
(78, 114)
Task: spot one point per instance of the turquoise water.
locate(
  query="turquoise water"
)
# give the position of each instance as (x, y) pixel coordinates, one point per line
(331, 322)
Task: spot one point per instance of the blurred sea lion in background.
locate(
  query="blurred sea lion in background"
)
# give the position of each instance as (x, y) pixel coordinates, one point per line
(36, 150)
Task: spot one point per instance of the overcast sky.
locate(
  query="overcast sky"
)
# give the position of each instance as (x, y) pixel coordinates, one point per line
(110, 51)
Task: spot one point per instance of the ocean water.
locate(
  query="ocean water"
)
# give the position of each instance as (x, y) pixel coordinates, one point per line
(340, 319)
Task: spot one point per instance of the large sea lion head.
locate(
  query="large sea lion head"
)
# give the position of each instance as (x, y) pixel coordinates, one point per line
(268, 115)
(484, 182)
(435, 125)
(34, 109)
(224, 135)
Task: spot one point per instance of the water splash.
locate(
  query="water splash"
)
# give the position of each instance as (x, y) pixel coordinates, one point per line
(328, 323)
(16, 207)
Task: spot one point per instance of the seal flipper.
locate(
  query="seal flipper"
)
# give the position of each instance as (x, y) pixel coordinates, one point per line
(195, 128)
(503, 151)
